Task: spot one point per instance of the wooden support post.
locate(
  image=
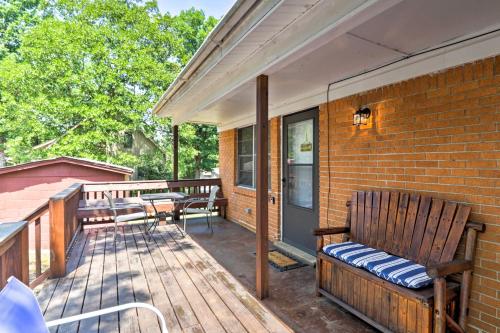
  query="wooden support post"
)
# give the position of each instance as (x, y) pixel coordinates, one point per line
(57, 238)
(25, 269)
(38, 247)
(176, 152)
(467, 278)
(262, 273)
(439, 305)
(14, 254)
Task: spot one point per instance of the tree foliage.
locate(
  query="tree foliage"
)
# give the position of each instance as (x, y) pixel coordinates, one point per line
(83, 72)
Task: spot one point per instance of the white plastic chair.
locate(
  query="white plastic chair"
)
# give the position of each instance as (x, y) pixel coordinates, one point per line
(118, 218)
(20, 311)
(207, 211)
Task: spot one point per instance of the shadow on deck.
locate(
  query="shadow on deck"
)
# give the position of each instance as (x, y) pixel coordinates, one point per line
(179, 277)
(292, 293)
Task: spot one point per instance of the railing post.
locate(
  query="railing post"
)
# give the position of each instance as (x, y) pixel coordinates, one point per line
(14, 252)
(57, 238)
(63, 227)
(38, 248)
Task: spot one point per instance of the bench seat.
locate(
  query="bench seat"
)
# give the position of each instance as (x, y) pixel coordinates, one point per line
(395, 269)
(387, 233)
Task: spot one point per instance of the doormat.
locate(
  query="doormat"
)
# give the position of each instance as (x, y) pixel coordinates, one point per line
(282, 262)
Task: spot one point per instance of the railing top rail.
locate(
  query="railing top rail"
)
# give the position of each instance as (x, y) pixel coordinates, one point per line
(147, 184)
(9, 229)
(67, 192)
(41, 210)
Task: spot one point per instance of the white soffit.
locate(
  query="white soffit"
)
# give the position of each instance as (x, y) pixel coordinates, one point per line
(318, 48)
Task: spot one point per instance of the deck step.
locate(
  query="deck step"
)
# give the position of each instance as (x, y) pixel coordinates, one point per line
(296, 253)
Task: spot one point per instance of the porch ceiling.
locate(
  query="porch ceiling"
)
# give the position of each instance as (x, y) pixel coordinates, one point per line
(303, 45)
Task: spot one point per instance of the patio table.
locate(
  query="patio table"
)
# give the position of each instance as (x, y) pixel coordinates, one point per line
(152, 197)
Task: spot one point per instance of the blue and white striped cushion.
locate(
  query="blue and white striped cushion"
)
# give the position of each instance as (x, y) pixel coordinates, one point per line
(399, 270)
(391, 268)
(354, 254)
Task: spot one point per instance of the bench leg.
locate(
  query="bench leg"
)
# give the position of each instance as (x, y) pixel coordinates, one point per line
(318, 277)
(439, 305)
(319, 271)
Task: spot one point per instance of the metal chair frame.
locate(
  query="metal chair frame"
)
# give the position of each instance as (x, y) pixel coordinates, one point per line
(208, 211)
(115, 207)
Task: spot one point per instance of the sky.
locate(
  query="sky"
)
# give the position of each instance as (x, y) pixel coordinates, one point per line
(216, 8)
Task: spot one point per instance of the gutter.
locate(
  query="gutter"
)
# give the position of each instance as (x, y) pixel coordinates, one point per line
(213, 41)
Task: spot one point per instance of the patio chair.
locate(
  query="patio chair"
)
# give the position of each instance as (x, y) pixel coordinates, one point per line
(20, 312)
(115, 207)
(206, 210)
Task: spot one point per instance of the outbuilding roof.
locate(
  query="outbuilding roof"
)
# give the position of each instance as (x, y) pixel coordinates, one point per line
(69, 160)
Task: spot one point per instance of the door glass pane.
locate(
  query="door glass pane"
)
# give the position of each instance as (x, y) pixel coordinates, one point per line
(300, 185)
(300, 142)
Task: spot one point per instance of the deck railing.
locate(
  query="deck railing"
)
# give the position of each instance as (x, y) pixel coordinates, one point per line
(34, 220)
(64, 223)
(15, 240)
(192, 187)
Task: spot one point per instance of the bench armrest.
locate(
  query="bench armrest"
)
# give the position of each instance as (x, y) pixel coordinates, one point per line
(452, 267)
(330, 231)
(480, 227)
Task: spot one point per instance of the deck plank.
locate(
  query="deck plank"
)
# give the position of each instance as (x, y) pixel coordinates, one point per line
(183, 311)
(147, 320)
(175, 274)
(243, 314)
(128, 320)
(92, 299)
(77, 293)
(57, 303)
(219, 308)
(109, 295)
(158, 294)
(260, 312)
(203, 312)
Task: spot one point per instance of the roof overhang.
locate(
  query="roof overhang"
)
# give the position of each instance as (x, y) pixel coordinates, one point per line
(303, 45)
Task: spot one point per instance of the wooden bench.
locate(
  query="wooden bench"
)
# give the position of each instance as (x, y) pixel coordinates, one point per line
(94, 208)
(420, 228)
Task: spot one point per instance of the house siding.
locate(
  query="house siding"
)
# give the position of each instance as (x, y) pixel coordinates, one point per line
(436, 134)
(240, 198)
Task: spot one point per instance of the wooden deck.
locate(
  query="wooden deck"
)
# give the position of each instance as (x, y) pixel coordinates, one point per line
(190, 288)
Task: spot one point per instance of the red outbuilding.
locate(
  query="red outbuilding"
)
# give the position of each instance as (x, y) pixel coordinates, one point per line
(24, 187)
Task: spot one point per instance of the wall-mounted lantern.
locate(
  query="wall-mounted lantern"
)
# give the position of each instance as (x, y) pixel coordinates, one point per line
(361, 116)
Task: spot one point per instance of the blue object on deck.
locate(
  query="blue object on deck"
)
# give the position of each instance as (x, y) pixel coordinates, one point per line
(20, 312)
(19, 309)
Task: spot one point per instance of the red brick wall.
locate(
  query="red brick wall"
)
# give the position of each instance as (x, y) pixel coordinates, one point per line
(436, 134)
(241, 198)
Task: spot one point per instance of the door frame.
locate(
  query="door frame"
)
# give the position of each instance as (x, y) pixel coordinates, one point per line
(282, 170)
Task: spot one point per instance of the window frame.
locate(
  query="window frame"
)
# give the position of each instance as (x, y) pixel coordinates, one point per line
(238, 171)
(254, 158)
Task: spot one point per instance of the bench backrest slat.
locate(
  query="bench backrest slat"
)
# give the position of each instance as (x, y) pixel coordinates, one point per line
(411, 218)
(426, 230)
(424, 209)
(382, 224)
(399, 227)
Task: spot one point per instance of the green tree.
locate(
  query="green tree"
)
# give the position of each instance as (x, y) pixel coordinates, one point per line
(16, 16)
(82, 73)
(198, 149)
